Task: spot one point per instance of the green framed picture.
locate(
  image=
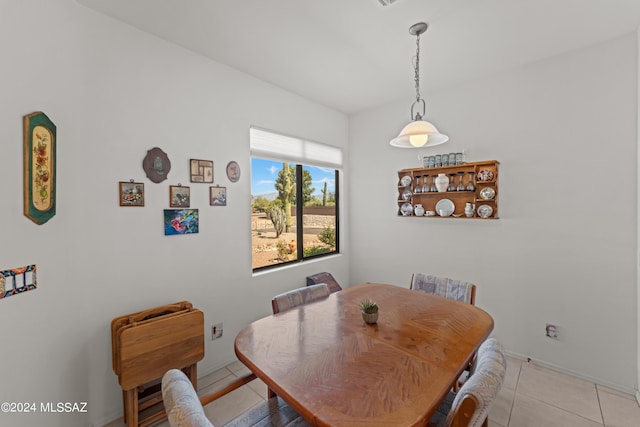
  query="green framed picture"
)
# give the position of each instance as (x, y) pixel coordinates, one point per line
(39, 167)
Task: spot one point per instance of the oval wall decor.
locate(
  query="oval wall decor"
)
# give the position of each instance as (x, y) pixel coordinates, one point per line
(156, 165)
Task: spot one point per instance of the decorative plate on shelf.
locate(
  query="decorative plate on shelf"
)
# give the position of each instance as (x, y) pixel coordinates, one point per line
(485, 175)
(488, 193)
(406, 209)
(406, 194)
(485, 211)
(405, 181)
(446, 205)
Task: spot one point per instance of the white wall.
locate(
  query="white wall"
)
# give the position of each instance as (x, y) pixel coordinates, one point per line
(564, 250)
(638, 237)
(115, 93)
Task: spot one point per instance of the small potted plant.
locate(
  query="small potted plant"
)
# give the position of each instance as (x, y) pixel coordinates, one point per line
(369, 311)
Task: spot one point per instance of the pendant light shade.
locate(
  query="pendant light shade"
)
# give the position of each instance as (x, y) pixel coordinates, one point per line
(418, 133)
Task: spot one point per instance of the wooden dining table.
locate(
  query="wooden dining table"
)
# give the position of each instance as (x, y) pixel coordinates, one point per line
(336, 370)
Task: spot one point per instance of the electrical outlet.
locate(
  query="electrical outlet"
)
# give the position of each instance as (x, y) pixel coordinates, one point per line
(552, 331)
(216, 331)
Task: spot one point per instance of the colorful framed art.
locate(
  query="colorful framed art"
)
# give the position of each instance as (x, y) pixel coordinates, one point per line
(201, 170)
(218, 196)
(131, 193)
(179, 196)
(181, 221)
(39, 167)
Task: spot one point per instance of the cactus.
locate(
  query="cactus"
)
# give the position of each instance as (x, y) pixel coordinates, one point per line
(286, 186)
(324, 194)
(368, 307)
(278, 218)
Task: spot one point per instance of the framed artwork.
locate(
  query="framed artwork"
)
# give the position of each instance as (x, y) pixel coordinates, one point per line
(201, 170)
(218, 196)
(156, 165)
(179, 196)
(39, 167)
(233, 171)
(180, 221)
(17, 280)
(131, 193)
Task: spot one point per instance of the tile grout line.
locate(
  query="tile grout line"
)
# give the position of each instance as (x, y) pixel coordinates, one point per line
(557, 407)
(599, 403)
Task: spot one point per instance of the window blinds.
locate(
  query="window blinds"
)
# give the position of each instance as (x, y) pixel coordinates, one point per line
(274, 146)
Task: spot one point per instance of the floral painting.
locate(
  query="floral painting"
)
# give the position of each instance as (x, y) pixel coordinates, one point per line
(39, 167)
(180, 221)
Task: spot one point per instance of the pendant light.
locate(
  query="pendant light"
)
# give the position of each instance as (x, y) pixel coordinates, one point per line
(418, 133)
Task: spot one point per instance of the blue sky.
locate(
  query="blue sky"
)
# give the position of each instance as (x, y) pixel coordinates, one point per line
(265, 172)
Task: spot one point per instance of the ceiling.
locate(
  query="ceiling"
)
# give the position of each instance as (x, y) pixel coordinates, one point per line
(352, 55)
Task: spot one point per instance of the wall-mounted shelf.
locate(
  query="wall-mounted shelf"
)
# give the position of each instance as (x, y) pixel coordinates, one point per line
(479, 180)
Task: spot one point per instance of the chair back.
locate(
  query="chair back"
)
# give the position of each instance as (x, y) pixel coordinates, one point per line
(444, 287)
(181, 401)
(472, 403)
(300, 296)
(324, 277)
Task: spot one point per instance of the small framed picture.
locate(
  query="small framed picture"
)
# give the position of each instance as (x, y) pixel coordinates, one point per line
(218, 196)
(131, 193)
(233, 171)
(179, 196)
(201, 170)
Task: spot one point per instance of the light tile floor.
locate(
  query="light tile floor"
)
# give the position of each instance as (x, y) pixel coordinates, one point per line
(531, 396)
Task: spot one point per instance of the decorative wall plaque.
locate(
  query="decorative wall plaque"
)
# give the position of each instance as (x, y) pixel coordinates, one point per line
(233, 171)
(156, 165)
(39, 167)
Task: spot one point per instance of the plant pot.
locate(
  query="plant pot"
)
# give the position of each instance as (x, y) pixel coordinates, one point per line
(370, 318)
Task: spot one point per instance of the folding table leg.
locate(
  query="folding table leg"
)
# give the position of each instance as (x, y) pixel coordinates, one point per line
(131, 407)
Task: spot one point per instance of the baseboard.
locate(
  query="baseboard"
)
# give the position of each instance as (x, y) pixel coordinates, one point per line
(595, 380)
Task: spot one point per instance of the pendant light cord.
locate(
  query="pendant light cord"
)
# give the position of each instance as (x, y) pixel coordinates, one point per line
(416, 78)
(416, 68)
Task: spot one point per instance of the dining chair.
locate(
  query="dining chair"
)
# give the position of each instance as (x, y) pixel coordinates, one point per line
(300, 296)
(324, 277)
(445, 287)
(469, 407)
(185, 409)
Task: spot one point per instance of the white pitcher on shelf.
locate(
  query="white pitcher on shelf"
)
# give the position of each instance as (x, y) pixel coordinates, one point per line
(418, 210)
(469, 209)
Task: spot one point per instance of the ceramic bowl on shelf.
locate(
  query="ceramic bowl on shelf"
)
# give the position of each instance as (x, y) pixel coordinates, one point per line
(488, 193)
(430, 213)
(406, 209)
(444, 212)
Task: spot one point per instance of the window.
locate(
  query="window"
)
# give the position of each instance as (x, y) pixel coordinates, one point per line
(294, 206)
